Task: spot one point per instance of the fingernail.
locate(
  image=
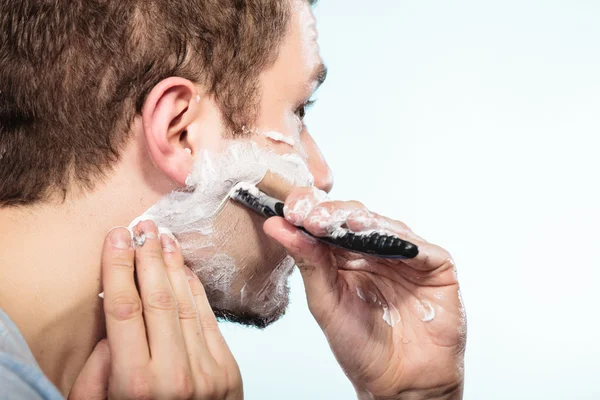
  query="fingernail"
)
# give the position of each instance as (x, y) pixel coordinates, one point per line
(148, 229)
(120, 238)
(168, 243)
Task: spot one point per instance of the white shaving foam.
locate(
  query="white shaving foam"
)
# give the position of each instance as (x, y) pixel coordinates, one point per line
(252, 189)
(190, 215)
(361, 294)
(335, 224)
(303, 206)
(425, 310)
(391, 315)
(212, 178)
(279, 137)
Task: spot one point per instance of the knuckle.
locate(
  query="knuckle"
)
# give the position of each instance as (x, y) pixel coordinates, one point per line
(197, 288)
(206, 386)
(318, 219)
(162, 300)
(209, 324)
(443, 254)
(187, 310)
(355, 204)
(214, 386)
(235, 387)
(182, 385)
(234, 377)
(124, 307)
(449, 264)
(121, 262)
(403, 225)
(305, 267)
(360, 212)
(138, 387)
(235, 382)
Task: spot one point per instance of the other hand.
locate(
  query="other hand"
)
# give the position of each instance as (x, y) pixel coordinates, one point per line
(397, 327)
(163, 341)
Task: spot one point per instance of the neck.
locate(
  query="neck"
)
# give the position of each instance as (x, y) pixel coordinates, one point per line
(51, 280)
(50, 261)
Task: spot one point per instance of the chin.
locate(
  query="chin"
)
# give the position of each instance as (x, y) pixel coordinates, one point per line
(260, 305)
(255, 319)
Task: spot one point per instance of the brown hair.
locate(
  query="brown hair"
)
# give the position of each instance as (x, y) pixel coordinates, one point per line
(73, 74)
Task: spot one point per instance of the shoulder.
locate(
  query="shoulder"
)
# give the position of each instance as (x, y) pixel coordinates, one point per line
(20, 382)
(12, 342)
(20, 376)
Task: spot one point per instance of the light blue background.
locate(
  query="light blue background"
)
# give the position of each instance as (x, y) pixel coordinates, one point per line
(477, 124)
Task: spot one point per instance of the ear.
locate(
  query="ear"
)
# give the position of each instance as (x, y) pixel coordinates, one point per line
(170, 108)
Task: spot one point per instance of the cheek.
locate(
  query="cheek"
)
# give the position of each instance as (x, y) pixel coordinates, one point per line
(241, 236)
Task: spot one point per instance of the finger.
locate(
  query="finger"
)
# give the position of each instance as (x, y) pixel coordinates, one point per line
(210, 328)
(314, 260)
(122, 305)
(362, 220)
(189, 318)
(92, 382)
(158, 300)
(430, 257)
(328, 217)
(301, 202)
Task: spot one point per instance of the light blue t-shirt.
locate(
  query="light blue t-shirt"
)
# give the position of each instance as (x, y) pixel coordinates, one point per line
(20, 375)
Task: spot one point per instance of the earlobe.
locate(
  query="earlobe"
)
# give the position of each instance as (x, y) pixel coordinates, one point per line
(169, 111)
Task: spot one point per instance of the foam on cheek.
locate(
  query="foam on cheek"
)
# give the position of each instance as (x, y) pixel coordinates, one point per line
(280, 137)
(190, 214)
(212, 178)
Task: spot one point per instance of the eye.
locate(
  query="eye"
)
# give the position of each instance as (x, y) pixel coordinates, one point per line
(301, 111)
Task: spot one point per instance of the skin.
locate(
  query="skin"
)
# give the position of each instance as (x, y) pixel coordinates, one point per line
(171, 350)
(285, 87)
(67, 239)
(419, 357)
(54, 249)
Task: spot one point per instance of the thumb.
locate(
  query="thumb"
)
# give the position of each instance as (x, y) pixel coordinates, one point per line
(313, 258)
(92, 382)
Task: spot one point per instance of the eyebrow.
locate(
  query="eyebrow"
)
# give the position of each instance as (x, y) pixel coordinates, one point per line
(319, 75)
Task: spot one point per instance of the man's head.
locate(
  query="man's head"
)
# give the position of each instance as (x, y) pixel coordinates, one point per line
(97, 92)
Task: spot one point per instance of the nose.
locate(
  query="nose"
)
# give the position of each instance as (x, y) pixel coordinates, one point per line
(316, 163)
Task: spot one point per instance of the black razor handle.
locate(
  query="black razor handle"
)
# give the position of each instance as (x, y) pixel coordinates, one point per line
(376, 244)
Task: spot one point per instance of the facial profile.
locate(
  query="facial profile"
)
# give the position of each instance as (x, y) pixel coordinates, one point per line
(245, 273)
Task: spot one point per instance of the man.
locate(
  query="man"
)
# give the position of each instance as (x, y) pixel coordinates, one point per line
(104, 108)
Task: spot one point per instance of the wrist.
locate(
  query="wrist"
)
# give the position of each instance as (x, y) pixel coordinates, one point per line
(449, 392)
